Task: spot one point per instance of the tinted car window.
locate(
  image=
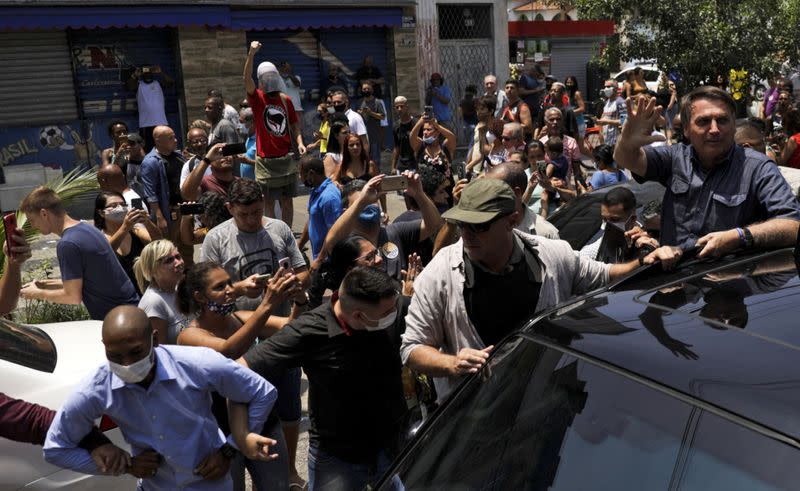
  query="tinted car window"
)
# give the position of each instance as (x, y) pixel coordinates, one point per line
(540, 419)
(545, 420)
(28, 346)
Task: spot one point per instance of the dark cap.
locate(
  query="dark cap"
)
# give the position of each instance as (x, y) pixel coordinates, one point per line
(482, 201)
(436, 76)
(135, 138)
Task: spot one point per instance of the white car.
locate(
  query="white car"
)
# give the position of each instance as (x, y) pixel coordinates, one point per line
(42, 364)
(651, 74)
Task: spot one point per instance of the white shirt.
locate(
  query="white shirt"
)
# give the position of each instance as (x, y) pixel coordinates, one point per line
(293, 91)
(533, 224)
(130, 195)
(357, 125)
(185, 169)
(150, 101)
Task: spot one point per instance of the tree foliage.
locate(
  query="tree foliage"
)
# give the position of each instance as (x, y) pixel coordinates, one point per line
(701, 38)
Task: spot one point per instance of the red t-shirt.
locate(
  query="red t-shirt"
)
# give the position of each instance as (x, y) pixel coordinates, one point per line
(272, 130)
(214, 185)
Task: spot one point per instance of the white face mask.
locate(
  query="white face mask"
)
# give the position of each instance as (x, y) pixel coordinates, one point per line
(135, 372)
(608, 91)
(383, 323)
(116, 214)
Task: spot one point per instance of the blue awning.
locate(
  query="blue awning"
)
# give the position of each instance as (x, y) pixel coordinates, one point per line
(270, 20)
(33, 18)
(43, 18)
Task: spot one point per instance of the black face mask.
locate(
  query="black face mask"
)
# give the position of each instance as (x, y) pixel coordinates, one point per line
(339, 108)
(307, 183)
(677, 136)
(367, 93)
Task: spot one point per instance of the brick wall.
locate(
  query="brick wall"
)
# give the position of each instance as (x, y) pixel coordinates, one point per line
(405, 52)
(211, 58)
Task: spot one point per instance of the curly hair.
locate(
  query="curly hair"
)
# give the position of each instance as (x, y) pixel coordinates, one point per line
(195, 280)
(215, 210)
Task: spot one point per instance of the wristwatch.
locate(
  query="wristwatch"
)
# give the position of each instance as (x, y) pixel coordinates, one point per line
(206, 160)
(749, 242)
(227, 451)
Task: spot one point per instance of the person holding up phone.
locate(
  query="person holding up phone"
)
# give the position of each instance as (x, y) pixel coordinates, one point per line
(16, 251)
(430, 149)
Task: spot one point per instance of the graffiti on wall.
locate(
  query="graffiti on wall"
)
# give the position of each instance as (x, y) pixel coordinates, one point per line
(50, 145)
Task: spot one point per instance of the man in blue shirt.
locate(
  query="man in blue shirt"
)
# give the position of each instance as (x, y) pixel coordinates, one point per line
(720, 197)
(90, 271)
(160, 397)
(438, 95)
(324, 203)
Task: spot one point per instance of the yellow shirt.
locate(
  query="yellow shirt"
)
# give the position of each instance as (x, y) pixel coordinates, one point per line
(325, 130)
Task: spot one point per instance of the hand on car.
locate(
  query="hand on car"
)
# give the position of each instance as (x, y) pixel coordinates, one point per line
(470, 360)
(668, 255)
(110, 459)
(718, 244)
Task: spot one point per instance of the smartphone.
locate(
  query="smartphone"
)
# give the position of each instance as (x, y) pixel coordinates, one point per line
(394, 183)
(137, 203)
(428, 112)
(542, 166)
(263, 277)
(10, 225)
(233, 149)
(145, 69)
(469, 176)
(192, 208)
(632, 222)
(286, 264)
(123, 139)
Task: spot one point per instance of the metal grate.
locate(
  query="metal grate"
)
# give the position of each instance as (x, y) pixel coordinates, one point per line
(465, 21)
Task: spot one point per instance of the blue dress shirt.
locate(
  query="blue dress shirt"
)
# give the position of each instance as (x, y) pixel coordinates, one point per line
(172, 416)
(440, 109)
(155, 186)
(324, 207)
(744, 189)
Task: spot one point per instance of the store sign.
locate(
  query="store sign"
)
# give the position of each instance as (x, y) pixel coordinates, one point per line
(409, 22)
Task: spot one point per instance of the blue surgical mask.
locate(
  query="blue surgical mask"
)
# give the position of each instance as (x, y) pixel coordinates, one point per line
(370, 216)
(428, 140)
(222, 309)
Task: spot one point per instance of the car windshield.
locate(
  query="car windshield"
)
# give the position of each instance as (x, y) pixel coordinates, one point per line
(28, 346)
(540, 419)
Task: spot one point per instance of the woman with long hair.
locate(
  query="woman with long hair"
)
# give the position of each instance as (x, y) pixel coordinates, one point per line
(790, 155)
(345, 255)
(431, 152)
(158, 271)
(577, 102)
(207, 295)
(355, 162)
(337, 136)
(127, 230)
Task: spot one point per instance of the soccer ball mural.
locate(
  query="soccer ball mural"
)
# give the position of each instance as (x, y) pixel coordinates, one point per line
(51, 137)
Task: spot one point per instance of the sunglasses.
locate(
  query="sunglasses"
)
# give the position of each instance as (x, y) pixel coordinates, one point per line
(507, 138)
(478, 228)
(370, 256)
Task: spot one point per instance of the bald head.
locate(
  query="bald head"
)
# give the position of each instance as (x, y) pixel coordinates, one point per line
(164, 139)
(750, 135)
(111, 178)
(126, 322)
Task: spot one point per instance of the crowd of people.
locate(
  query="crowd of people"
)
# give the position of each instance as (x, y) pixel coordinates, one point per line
(205, 358)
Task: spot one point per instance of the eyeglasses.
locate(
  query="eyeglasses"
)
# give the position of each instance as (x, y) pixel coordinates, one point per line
(198, 142)
(170, 259)
(370, 256)
(507, 138)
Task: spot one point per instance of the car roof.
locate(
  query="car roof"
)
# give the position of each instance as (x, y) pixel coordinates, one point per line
(723, 332)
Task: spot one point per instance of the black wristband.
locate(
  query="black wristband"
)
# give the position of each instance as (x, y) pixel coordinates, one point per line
(206, 160)
(749, 241)
(227, 451)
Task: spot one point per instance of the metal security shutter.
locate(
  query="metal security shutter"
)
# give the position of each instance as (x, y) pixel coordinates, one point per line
(36, 84)
(349, 47)
(300, 49)
(570, 58)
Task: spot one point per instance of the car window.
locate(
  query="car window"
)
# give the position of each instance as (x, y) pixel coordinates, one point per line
(28, 346)
(543, 420)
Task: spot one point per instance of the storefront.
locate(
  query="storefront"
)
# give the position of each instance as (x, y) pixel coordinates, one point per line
(66, 67)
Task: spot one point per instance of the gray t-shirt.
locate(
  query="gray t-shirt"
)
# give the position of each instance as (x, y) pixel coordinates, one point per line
(223, 132)
(156, 303)
(373, 125)
(243, 254)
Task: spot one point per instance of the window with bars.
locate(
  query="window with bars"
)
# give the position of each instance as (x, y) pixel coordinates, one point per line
(465, 21)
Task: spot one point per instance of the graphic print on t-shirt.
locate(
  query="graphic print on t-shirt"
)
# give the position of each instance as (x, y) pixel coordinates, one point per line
(275, 119)
(257, 262)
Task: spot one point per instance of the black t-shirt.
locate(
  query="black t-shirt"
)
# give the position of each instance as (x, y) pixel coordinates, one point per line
(173, 165)
(396, 241)
(498, 304)
(366, 73)
(355, 393)
(407, 159)
(423, 248)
